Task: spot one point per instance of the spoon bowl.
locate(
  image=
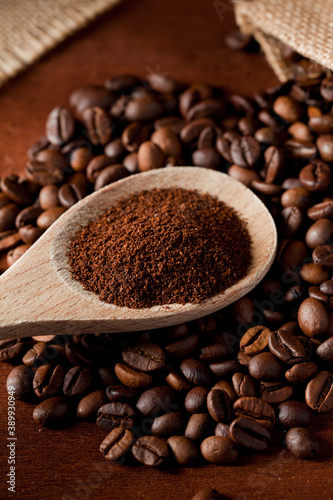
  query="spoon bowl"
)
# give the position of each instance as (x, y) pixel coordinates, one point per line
(39, 296)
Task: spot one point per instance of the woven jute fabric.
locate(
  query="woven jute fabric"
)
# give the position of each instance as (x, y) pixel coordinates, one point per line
(304, 25)
(29, 28)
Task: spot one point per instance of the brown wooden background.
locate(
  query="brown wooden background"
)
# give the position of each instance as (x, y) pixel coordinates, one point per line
(183, 38)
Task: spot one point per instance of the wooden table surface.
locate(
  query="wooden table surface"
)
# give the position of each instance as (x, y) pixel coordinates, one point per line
(183, 38)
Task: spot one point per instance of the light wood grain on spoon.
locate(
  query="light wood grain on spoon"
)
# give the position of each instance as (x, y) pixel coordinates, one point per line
(39, 297)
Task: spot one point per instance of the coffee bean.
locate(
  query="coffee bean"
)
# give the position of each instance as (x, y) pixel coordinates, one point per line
(213, 352)
(143, 108)
(48, 380)
(257, 409)
(167, 141)
(254, 340)
(321, 210)
(68, 195)
(226, 386)
(323, 256)
(313, 273)
(191, 131)
(319, 233)
(150, 156)
(245, 151)
(325, 147)
(60, 126)
(80, 157)
(316, 176)
(265, 366)
(98, 125)
(219, 450)
(296, 197)
(122, 83)
(225, 368)
(195, 400)
(294, 414)
(312, 317)
(274, 162)
(222, 430)
(184, 347)
(89, 405)
(275, 392)
(112, 415)
(48, 217)
(301, 443)
(219, 405)
(9, 239)
(145, 357)
(319, 392)
(168, 424)
(244, 385)
(11, 349)
(90, 96)
(77, 381)
(132, 378)
(52, 412)
(249, 433)
(207, 158)
(176, 382)
(29, 234)
(195, 372)
(183, 449)
(301, 132)
(156, 400)
(8, 215)
(300, 373)
(287, 347)
(150, 450)
(206, 108)
(117, 444)
(122, 394)
(243, 175)
(15, 190)
(288, 109)
(325, 351)
(43, 173)
(19, 381)
(199, 426)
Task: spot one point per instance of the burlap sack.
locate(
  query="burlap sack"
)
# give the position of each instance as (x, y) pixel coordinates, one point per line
(29, 28)
(304, 25)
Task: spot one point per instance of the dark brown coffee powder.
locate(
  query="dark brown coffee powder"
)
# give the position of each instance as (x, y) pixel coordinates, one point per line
(161, 247)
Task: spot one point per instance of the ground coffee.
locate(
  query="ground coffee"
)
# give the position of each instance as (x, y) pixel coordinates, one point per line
(160, 247)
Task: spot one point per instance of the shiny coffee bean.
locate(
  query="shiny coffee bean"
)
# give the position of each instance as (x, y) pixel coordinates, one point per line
(249, 433)
(60, 126)
(294, 414)
(168, 424)
(265, 366)
(19, 382)
(151, 451)
(195, 372)
(48, 380)
(244, 385)
(257, 409)
(275, 392)
(195, 400)
(77, 381)
(112, 415)
(219, 450)
(156, 401)
(301, 443)
(254, 340)
(117, 444)
(183, 449)
(312, 317)
(132, 378)
(199, 426)
(89, 405)
(11, 349)
(319, 392)
(98, 125)
(287, 347)
(145, 357)
(300, 373)
(52, 412)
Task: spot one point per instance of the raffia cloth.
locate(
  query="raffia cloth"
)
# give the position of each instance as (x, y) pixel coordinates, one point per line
(304, 25)
(30, 28)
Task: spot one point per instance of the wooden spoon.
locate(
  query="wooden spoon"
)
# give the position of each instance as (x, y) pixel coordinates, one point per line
(39, 297)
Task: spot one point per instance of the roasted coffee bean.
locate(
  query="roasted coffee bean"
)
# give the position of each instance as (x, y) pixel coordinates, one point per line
(97, 165)
(219, 405)
(275, 392)
(132, 378)
(43, 173)
(156, 401)
(316, 176)
(254, 340)
(163, 83)
(325, 147)
(90, 96)
(122, 394)
(294, 414)
(191, 131)
(195, 372)
(80, 157)
(226, 386)
(323, 256)
(168, 424)
(301, 132)
(312, 317)
(144, 108)
(14, 254)
(321, 210)
(77, 354)
(107, 375)
(327, 287)
(176, 382)
(60, 126)
(317, 294)
(265, 366)
(257, 409)
(244, 385)
(218, 450)
(225, 368)
(52, 412)
(168, 142)
(301, 443)
(319, 233)
(184, 347)
(206, 108)
(27, 216)
(68, 195)
(48, 196)
(19, 382)
(98, 125)
(151, 450)
(245, 151)
(48, 380)
(325, 351)
(274, 162)
(145, 357)
(199, 426)
(213, 352)
(183, 449)
(9, 239)
(133, 136)
(8, 215)
(11, 349)
(319, 392)
(222, 430)
(150, 156)
(77, 381)
(46, 218)
(39, 354)
(287, 347)
(196, 400)
(89, 405)
(313, 273)
(296, 197)
(249, 433)
(243, 175)
(116, 444)
(122, 83)
(207, 158)
(30, 234)
(15, 190)
(112, 415)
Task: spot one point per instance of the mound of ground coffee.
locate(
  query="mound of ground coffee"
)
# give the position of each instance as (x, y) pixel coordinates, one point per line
(160, 247)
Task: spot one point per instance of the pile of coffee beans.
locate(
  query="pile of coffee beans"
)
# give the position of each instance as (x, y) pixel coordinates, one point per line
(250, 375)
